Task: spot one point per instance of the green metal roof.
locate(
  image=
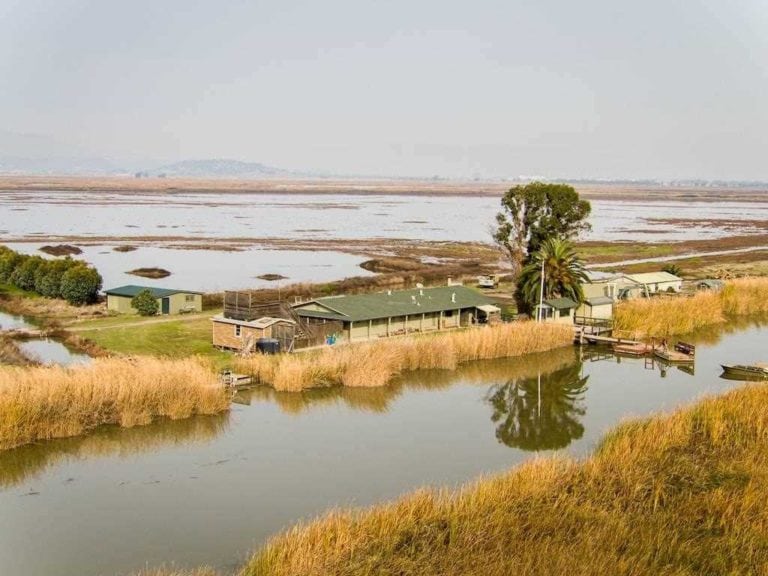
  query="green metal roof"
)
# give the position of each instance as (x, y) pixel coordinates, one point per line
(363, 307)
(561, 303)
(131, 290)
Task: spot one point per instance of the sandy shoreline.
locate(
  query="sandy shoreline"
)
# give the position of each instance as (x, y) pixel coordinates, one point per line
(171, 186)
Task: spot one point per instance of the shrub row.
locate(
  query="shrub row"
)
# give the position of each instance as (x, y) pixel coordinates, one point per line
(73, 280)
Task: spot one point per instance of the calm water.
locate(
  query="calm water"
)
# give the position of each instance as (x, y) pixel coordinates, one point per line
(43, 350)
(209, 490)
(30, 217)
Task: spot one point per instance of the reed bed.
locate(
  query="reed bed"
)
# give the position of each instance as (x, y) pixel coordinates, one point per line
(669, 315)
(377, 363)
(378, 400)
(46, 402)
(681, 494)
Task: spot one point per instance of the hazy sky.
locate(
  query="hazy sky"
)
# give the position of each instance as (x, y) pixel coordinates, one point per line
(588, 88)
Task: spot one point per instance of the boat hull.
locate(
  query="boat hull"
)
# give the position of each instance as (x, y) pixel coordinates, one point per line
(741, 372)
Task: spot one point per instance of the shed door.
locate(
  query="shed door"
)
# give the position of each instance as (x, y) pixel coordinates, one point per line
(165, 306)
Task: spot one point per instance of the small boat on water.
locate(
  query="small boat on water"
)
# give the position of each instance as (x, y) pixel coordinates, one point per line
(673, 356)
(745, 371)
(638, 349)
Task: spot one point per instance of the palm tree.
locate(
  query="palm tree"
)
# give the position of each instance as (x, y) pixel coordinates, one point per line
(563, 273)
(540, 414)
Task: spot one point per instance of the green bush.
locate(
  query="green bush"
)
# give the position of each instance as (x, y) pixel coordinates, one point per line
(23, 275)
(145, 303)
(9, 260)
(80, 285)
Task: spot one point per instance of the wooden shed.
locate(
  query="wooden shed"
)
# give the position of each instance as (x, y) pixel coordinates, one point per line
(169, 301)
(243, 335)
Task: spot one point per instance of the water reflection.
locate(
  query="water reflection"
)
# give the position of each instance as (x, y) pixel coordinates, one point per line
(542, 412)
(24, 463)
(379, 399)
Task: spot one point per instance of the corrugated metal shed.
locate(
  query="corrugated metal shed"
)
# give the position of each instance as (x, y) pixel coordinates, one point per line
(654, 278)
(599, 300)
(356, 308)
(132, 290)
(560, 303)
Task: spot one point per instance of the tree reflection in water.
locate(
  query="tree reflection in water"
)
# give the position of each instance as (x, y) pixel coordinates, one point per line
(540, 413)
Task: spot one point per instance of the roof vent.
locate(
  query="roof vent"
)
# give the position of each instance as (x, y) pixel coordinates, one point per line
(453, 297)
(421, 292)
(389, 292)
(413, 299)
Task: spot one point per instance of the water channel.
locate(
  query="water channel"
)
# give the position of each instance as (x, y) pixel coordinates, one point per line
(43, 350)
(209, 490)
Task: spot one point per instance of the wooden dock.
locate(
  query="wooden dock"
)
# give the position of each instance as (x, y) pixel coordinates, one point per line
(582, 336)
(236, 381)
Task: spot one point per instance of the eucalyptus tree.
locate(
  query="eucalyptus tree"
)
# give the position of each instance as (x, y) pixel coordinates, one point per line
(534, 213)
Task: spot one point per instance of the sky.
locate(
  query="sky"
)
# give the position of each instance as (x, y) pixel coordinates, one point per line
(659, 89)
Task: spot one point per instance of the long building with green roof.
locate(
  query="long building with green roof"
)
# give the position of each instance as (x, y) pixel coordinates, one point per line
(365, 316)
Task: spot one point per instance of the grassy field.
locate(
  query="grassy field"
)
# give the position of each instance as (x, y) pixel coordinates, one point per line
(175, 337)
(44, 402)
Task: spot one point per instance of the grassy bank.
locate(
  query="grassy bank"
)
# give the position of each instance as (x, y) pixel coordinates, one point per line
(169, 337)
(377, 363)
(668, 315)
(681, 494)
(46, 402)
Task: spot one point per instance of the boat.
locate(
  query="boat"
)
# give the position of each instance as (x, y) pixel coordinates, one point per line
(745, 371)
(636, 349)
(673, 356)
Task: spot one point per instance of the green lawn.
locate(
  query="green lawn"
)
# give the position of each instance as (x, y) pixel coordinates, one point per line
(169, 338)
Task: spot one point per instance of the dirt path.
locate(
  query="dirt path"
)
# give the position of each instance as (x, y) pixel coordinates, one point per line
(675, 257)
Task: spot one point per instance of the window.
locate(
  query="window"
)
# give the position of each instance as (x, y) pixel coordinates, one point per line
(565, 312)
(448, 313)
(238, 328)
(189, 298)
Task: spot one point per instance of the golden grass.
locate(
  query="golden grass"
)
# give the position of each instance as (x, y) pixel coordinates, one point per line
(378, 400)
(677, 495)
(55, 402)
(377, 363)
(668, 315)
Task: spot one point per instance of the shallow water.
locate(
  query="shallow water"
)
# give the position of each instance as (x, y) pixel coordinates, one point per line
(213, 271)
(49, 351)
(30, 217)
(209, 490)
(14, 322)
(45, 350)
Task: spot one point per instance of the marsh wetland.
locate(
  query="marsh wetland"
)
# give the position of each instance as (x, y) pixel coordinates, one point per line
(208, 490)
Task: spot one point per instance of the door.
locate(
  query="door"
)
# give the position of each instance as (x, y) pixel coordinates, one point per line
(165, 306)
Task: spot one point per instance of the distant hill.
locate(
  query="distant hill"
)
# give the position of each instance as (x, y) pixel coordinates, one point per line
(223, 168)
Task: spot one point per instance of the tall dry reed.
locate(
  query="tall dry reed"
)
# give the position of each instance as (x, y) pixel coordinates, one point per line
(677, 495)
(377, 363)
(668, 315)
(55, 402)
